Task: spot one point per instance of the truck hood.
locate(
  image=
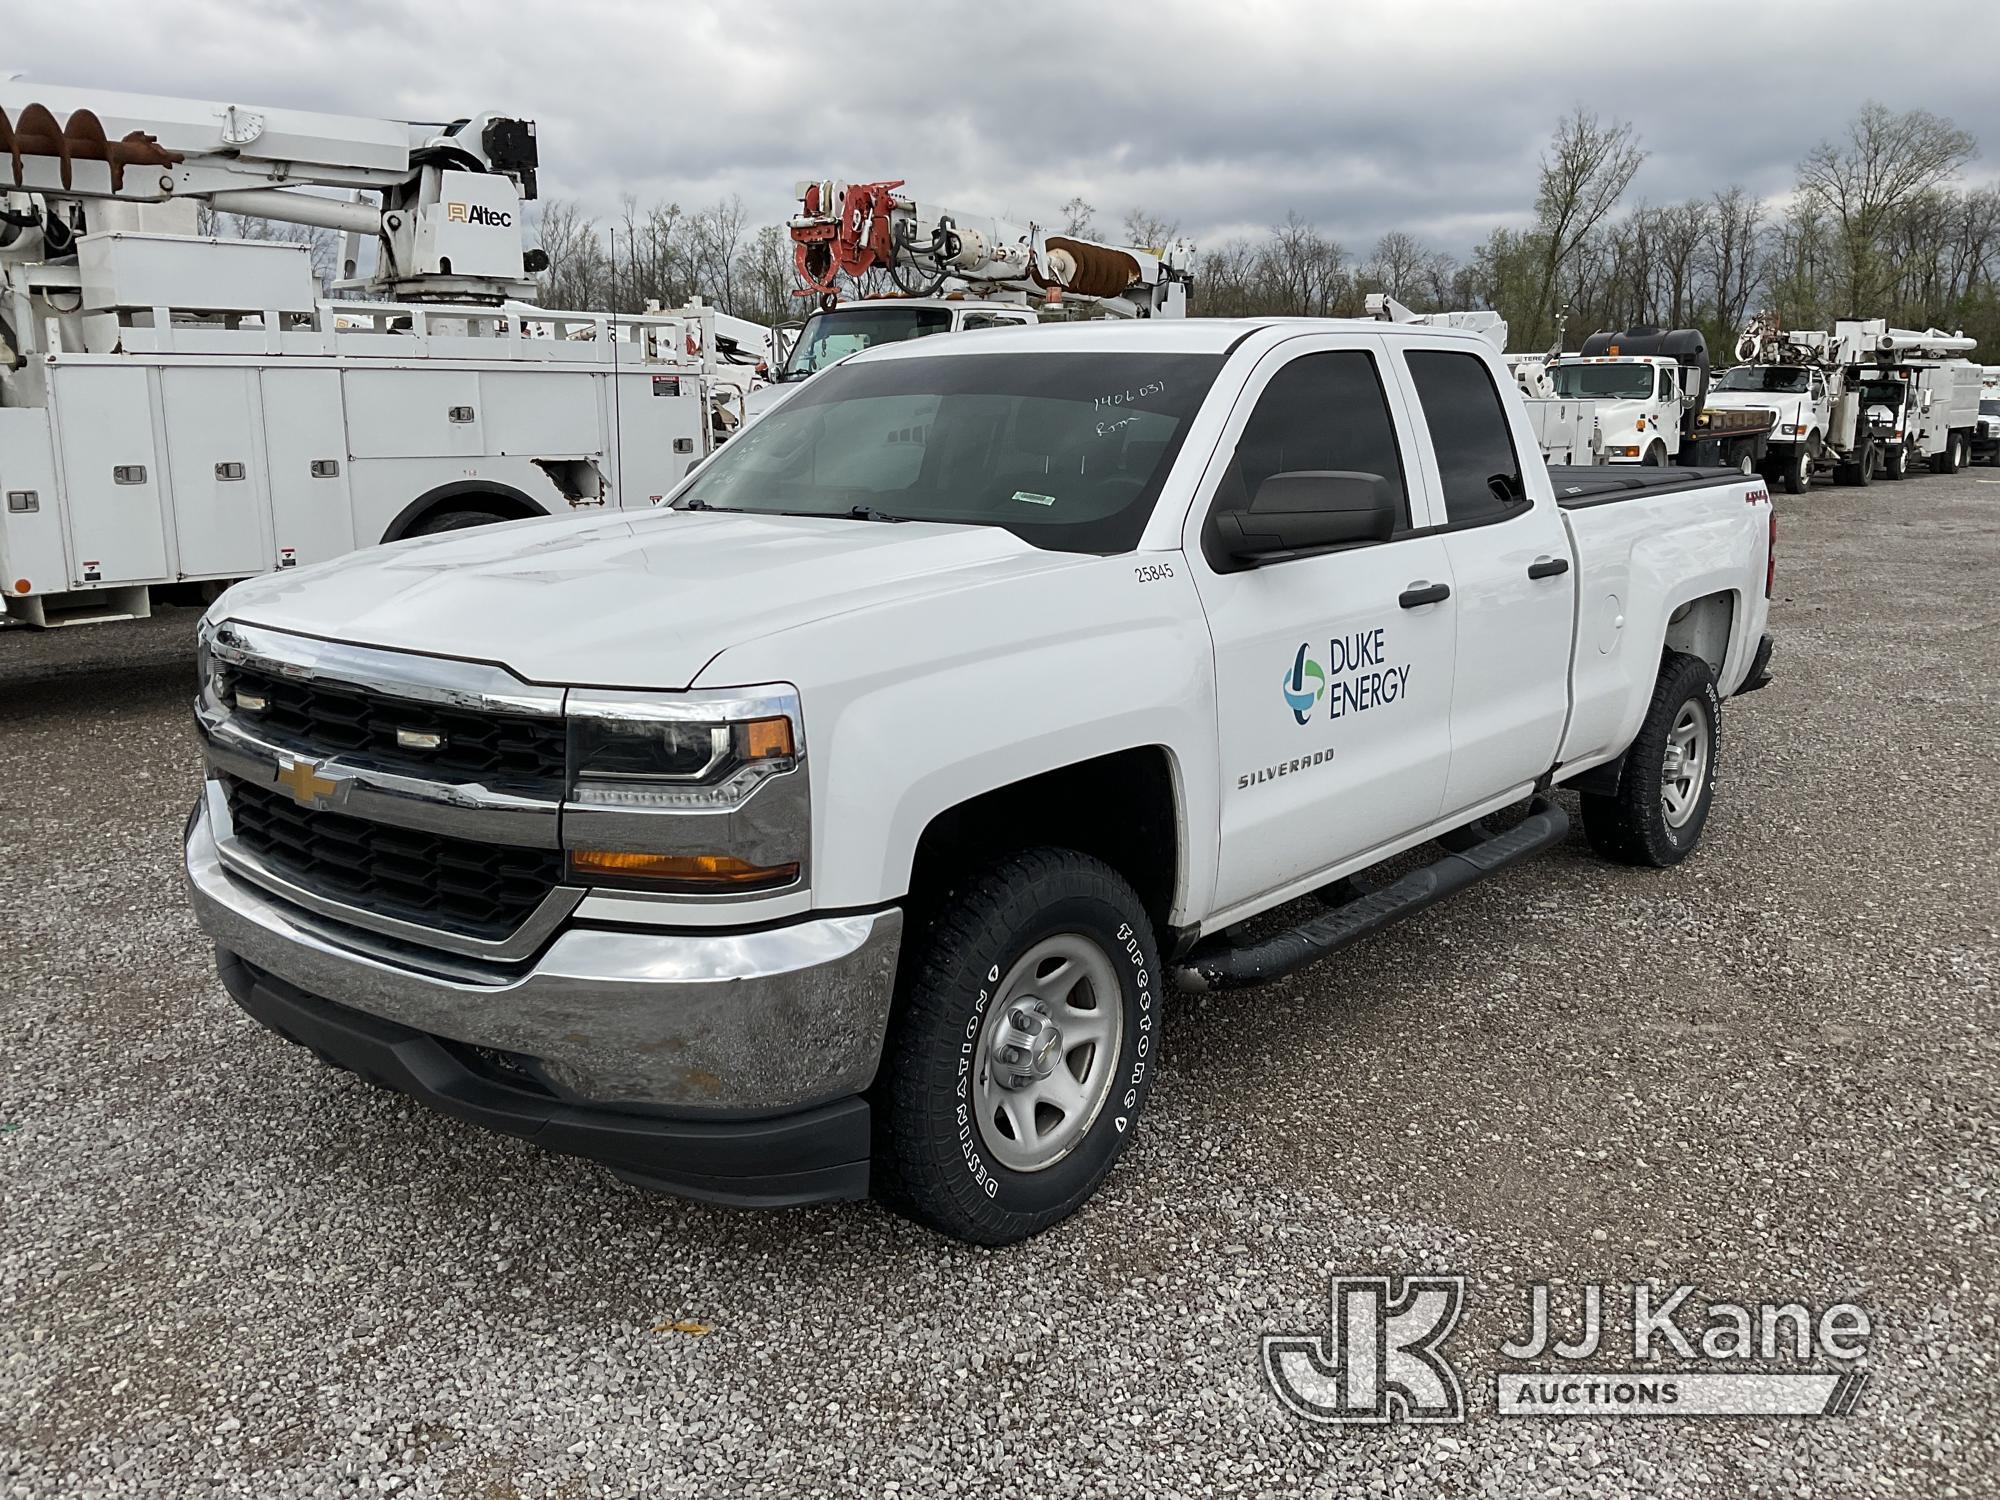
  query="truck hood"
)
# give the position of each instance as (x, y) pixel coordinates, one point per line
(633, 601)
(1615, 420)
(1785, 404)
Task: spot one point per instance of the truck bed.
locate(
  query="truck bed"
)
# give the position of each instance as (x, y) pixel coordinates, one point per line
(1579, 485)
(1685, 535)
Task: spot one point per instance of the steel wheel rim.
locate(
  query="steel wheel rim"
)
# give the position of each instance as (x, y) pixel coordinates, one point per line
(1685, 765)
(1029, 1126)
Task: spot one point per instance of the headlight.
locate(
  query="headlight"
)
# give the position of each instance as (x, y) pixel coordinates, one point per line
(691, 793)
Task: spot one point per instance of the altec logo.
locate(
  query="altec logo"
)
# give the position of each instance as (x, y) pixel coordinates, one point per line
(1305, 684)
(477, 213)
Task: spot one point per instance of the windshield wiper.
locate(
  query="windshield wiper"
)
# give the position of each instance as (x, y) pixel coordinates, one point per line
(870, 513)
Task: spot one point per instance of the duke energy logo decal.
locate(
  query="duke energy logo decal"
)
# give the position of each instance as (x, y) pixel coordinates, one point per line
(1305, 684)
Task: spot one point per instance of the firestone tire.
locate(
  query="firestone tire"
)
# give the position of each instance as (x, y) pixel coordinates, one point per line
(939, 1136)
(1661, 806)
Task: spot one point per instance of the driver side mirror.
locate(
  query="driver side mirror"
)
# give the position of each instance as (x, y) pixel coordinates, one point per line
(1307, 510)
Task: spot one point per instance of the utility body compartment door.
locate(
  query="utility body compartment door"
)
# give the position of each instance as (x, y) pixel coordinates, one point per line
(1513, 576)
(305, 433)
(216, 460)
(1333, 699)
(111, 473)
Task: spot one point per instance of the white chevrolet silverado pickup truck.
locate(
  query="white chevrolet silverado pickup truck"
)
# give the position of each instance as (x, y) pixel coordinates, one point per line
(845, 823)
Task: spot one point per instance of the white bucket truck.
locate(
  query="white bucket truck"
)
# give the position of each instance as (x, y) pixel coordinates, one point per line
(178, 410)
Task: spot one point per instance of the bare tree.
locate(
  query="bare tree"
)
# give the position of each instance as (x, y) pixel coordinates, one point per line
(1585, 171)
(1729, 258)
(715, 239)
(1306, 273)
(1079, 218)
(575, 277)
(1888, 163)
(1149, 233)
(1397, 265)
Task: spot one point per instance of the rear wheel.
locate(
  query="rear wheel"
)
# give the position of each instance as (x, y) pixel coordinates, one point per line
(1656, 815)
(1022, 1048)
(1953, 457)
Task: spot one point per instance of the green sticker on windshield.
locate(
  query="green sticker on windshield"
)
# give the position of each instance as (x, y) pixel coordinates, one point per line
(1029, 497)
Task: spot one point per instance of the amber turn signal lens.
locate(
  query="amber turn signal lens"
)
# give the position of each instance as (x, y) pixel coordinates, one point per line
(768, 739)
(713, 870)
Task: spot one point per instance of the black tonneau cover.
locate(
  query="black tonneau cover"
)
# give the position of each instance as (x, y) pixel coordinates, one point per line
(1603, 484)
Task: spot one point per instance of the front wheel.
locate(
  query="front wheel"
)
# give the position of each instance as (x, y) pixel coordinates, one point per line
(1656, 456)
(1798, 471)
(1896, 462)
(1656, 815)
(1022, 1049)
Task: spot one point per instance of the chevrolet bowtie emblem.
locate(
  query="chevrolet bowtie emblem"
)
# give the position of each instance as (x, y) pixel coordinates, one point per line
(308, 788)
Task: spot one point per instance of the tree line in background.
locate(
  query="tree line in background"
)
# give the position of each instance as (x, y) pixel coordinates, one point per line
(1875, 227)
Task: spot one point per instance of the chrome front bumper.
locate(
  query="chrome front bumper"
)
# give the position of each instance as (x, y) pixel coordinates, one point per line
(721, 1022)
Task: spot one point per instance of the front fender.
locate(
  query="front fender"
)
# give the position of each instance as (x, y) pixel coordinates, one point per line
(916, 706)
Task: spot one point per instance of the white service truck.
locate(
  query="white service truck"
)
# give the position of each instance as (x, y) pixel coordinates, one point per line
(179, 410)
(847, 822)
(1651, 388)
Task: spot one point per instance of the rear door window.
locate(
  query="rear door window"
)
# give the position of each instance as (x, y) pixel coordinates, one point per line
(1478, 467)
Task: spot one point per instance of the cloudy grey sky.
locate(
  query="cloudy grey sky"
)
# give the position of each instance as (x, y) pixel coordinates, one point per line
(1425, 115)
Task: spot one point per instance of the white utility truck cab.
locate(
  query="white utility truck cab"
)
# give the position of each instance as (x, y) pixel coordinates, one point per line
(833, 333)
(845, 823)
(1651, 389)
(1800, 396)
(1986, 435)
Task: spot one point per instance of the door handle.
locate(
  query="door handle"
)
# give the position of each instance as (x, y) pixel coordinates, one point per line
(1420, 593)
(1548, 567)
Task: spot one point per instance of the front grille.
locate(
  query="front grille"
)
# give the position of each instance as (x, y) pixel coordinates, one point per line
(333, 718)
(476, 890)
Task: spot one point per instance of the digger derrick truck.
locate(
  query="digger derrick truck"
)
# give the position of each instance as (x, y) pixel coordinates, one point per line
(942, 271)
(179, 410)
(1858, 401)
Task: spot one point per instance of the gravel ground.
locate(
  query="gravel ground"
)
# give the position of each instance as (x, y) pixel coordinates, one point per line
(1770, 1072)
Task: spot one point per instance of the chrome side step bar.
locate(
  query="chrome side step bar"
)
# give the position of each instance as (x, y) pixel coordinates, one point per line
(1218, 964)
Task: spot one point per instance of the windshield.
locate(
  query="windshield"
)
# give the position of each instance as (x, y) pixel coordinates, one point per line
(1989, 408)
(1623, 382)
(1887, 393)
(1066, 450)
(1778, 379)
(831, 336)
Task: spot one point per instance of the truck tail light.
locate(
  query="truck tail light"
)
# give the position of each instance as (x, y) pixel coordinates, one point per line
(1771, 554)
